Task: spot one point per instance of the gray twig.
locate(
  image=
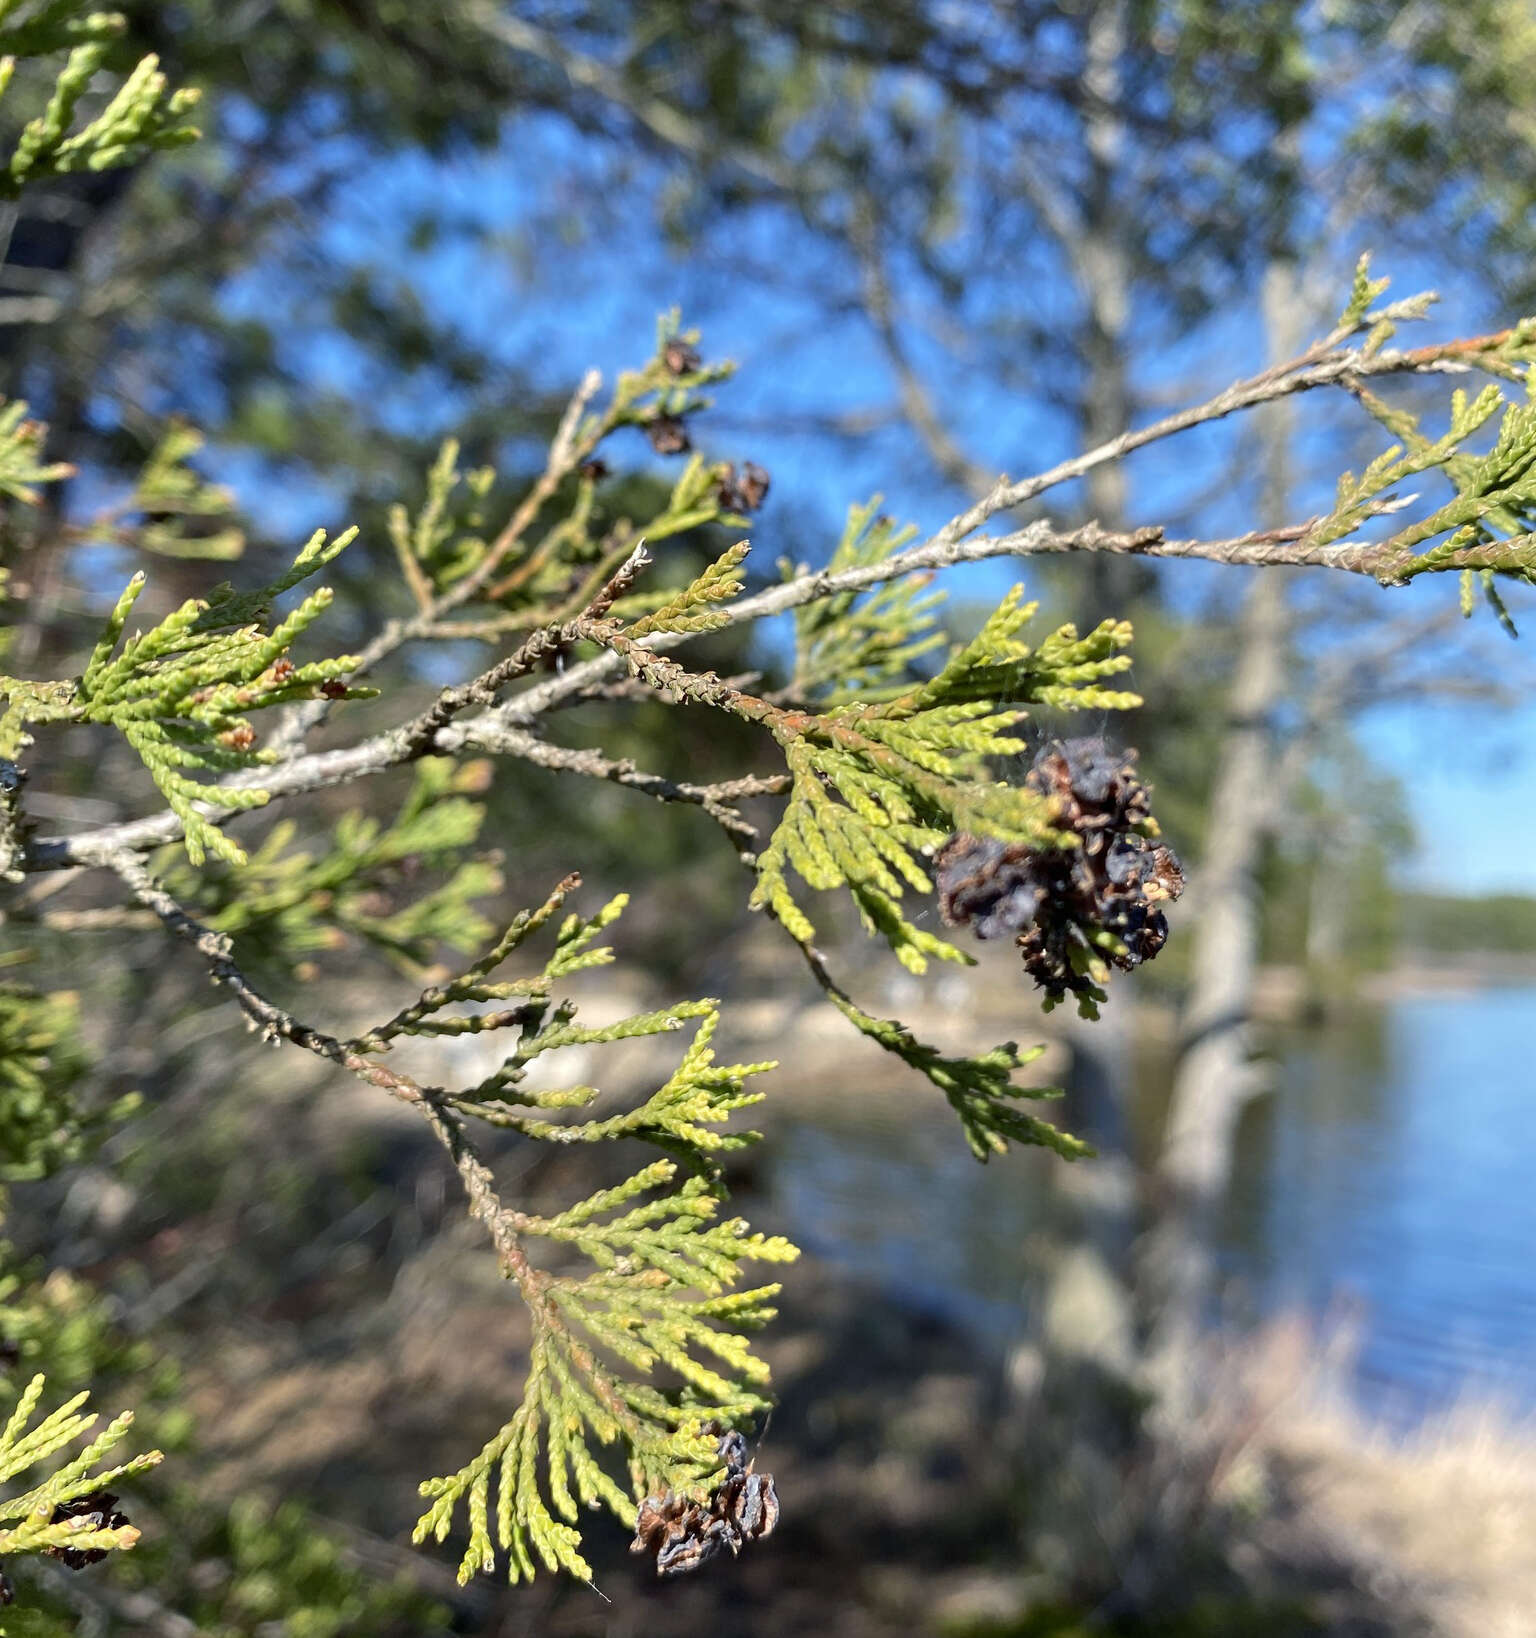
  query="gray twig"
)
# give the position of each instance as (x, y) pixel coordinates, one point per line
(434, 731)
(277, 1025)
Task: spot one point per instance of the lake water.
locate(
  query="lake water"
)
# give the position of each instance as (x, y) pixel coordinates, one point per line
(1390, 1173)
(1395, 1166)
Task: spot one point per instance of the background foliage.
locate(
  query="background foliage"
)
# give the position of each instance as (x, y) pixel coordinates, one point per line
(959, 234)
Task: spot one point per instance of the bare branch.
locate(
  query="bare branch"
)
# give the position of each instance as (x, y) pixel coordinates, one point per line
(433, 732)
(668, 124)
(916, 403)
(277, 1025)
(1325, 365)
(714, 799)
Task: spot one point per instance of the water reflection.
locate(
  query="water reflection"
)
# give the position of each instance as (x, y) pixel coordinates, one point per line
(1393, 1166)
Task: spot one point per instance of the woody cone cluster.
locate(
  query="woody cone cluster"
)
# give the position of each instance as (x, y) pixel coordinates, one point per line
(1070, 909)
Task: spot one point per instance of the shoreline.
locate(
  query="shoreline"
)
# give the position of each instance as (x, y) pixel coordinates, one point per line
(1480, 970)
(1286, 994)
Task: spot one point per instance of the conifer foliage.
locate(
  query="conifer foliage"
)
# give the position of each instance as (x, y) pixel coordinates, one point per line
(142, 114)
(181, 692)
(876, 786)
(67, 1512)
(887, 746)
(43, 1123)
(644, 1275)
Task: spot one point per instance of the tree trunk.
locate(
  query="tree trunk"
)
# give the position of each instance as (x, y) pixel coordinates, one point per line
(1087, 1316)
(1214, 1077)
(1328, 902)
(1103, 266)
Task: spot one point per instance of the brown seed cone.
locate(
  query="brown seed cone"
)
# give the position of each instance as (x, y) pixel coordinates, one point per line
(668, 435)
(98, 1510)
(683, 1535)
(1054, 900)
(680, 358)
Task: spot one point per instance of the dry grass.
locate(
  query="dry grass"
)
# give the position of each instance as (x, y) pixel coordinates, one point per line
(926, 1488)
(1447, 1513)
(1428, 1531)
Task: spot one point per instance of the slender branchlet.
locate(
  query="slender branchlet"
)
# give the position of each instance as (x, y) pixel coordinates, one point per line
(880, 781)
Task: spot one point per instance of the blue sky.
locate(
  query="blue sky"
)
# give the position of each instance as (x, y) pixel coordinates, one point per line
(556, 307)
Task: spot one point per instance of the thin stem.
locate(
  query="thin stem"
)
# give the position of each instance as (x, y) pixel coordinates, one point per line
(565, 454)
(714, 799)
(1325, 364)
(277, 1025)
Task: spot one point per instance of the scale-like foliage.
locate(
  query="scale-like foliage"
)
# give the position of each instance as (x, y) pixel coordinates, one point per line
(286, 904)
(574, 952)
(690, 609)
(876, 787)
(55, 1513)
(645, 1347)
(1495, 498)
(262, 1568)
(181, 692)
(1487, 524)
(980, 1089)
(142, 115)
(173, 510)
(1363, 292)
(22, 467)
(1461, 470)
(442, 542)
(43, 1123)
(229, 1573)
(660, 397)
(1415, 454)
(661, 1297)
(1488, 527)
(554, 568)
(863, 645)
(1379, 323)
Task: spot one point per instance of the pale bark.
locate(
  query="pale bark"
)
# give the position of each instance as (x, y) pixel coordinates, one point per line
(1087, 1313)
(1215, 1076)
(1328, 903)
(1213, 1079)
(1103, 266)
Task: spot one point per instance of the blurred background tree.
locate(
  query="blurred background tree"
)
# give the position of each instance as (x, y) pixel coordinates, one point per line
(947, 239)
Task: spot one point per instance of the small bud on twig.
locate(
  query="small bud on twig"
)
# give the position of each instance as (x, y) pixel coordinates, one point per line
(680, 358)
(668, 435)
